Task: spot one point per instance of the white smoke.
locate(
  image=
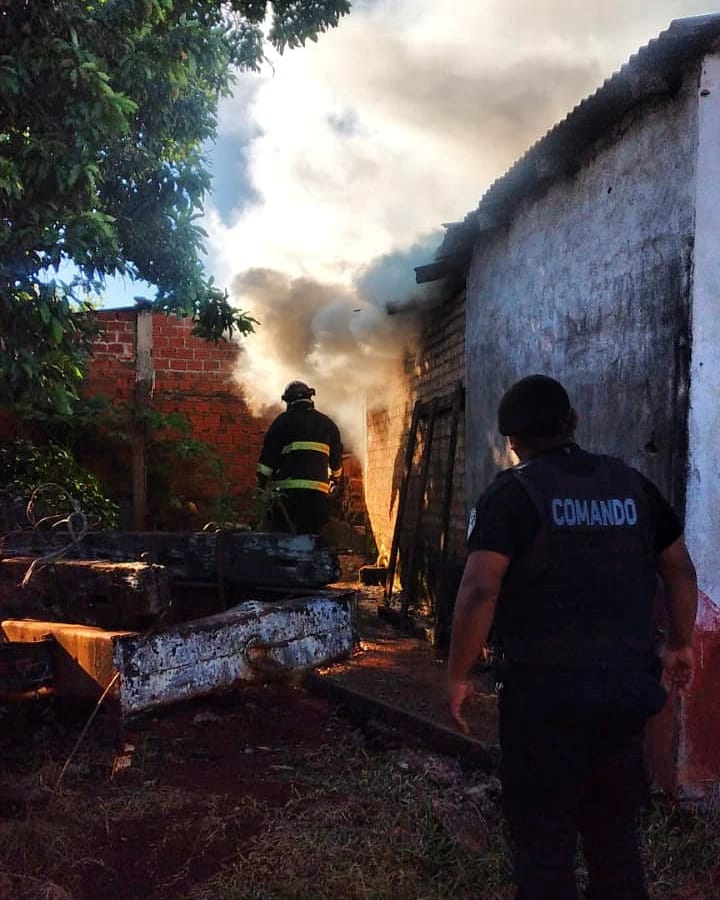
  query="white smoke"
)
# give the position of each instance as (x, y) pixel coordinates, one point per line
(353, 150)
(337, 338)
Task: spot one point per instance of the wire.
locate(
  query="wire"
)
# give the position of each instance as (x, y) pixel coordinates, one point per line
(85, 731)
(77, 525)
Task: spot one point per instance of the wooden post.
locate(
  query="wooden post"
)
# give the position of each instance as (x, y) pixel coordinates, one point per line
(444, 594)
(144, 384)
(458, 403)
(410, 592)
(402, 499)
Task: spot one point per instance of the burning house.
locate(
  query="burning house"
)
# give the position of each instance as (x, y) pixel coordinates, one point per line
(592, 259)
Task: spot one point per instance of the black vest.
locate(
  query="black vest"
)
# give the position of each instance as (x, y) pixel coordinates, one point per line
(582, 594)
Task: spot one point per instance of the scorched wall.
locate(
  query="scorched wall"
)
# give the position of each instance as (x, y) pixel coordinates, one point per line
(432, 370)
(590, 282)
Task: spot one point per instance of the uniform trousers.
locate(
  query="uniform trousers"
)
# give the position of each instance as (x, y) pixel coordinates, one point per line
(571, 766)
(303, 511)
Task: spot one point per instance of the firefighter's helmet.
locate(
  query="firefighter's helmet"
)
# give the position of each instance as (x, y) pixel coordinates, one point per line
(297, 390)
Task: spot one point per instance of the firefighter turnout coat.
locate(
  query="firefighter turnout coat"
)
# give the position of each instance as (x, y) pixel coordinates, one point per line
(301, 451)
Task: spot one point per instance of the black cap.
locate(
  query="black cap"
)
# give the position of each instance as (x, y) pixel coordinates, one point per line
(536, 406)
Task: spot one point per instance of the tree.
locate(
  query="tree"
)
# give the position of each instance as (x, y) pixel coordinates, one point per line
(104, 108)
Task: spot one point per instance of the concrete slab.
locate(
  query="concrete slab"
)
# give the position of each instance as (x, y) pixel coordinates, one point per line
(82, 656)
(247, 558)
(361, 707)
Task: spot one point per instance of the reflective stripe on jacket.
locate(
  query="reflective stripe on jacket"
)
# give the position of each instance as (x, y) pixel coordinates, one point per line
(302, 483)
(301, 450)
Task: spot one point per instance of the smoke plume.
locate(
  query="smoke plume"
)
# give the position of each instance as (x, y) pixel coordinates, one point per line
(337, 338)
(333, 168)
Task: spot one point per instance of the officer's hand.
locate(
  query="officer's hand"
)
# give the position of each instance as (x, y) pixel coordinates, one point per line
(679, 666)
(458, 693)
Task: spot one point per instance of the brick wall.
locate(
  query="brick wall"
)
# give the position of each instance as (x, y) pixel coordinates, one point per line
(432, 371)
(199, 379)
(387, 432)
(112, 371)
(439, 369)
(196, 379)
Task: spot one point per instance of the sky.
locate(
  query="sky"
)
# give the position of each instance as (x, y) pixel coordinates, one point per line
(336, 166)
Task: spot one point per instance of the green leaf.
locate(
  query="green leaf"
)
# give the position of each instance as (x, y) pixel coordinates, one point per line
(107, 107)
(56, 330)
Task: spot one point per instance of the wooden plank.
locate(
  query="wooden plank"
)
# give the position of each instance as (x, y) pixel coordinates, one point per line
(402, 500)
(411, 570)
(457, 407)
(444, 581)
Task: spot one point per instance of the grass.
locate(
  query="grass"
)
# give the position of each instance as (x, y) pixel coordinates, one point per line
(44, 853)
(682, 852)
(360, 824)
(370, 829)
(366, 827)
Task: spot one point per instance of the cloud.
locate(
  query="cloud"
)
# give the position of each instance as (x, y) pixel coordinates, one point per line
(353, 150)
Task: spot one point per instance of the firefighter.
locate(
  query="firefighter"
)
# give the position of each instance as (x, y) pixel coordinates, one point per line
(301, 461)
(564, 554)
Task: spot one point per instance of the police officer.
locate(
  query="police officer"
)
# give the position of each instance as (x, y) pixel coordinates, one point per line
(301, 452)
(564, 553)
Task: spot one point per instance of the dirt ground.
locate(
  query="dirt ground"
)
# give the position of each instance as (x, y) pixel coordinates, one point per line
(269, 793)
(405, 672)
(163, 806)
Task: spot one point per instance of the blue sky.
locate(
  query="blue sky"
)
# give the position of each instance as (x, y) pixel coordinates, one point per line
(122, 292)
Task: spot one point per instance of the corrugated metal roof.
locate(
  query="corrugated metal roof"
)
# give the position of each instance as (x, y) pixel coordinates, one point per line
(656, 68)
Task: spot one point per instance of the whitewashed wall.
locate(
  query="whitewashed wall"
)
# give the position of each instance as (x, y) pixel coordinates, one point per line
(703, 494)
(698, 747)
(610, 281)
(591, 283)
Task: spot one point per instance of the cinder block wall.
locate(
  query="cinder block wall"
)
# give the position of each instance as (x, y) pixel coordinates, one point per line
(433, 370)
